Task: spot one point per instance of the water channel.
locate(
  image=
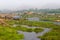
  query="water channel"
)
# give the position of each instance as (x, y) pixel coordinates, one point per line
(33, 35)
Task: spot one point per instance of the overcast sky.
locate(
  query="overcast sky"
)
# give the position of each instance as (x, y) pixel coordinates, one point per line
(25, 4)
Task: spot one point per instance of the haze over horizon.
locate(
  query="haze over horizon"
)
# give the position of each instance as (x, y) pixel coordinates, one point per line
(27, 4)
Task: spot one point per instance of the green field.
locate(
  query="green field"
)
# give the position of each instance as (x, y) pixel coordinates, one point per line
(9, 33)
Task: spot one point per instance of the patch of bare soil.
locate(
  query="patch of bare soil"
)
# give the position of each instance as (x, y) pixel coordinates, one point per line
(2, 22)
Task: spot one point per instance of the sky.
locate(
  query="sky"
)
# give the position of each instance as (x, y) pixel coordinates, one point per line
(27, 4)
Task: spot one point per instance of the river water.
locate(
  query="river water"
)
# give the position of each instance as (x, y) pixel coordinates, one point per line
(33, 35)
(29, 35)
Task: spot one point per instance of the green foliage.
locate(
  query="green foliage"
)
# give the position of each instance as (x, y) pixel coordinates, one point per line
(37, 30)
(28, 29)
(52, 35)
(8, 33)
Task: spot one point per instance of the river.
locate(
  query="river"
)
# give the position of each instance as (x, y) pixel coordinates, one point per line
(32, 35)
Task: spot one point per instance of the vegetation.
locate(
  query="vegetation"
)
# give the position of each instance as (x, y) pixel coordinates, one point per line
(22, 28)
(8, 33)
(25, 29)
(37, 30)
(54, 34)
